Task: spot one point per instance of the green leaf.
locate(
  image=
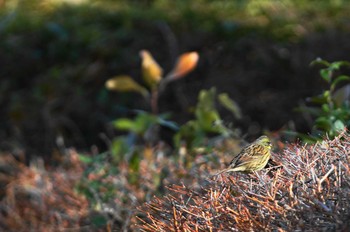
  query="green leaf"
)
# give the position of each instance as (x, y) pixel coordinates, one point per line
(206, 119)
(321, 99)
(320, 61)
(143, 121)
(339, 79)
(325, 108)
(124, 124)
(187, 133)
(337, 64)
(205, 111)
(169, 124)
(326, 74)
(229, 104)
(119, 147)
(138, 125)
(338, 125)
(134, 165)
(206, 99)
(125, 83)
(86, 159)
(326, 94)
(323, 123)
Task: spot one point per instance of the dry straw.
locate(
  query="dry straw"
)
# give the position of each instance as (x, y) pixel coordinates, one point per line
(308, 191)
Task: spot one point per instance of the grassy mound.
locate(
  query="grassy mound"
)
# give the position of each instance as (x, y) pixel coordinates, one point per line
(307, 190)
(305, 187)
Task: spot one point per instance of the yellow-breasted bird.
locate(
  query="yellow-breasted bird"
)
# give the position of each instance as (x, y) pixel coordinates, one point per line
(253, 157)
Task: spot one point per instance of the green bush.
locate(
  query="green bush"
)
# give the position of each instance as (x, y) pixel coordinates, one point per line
(330, 110)
(207, 120)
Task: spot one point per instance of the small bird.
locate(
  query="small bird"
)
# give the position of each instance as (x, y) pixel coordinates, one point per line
(252, 158)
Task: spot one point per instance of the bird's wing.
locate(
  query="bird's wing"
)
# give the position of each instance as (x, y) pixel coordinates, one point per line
(247, 154)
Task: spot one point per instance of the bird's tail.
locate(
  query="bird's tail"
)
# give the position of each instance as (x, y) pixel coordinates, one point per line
(222, 171)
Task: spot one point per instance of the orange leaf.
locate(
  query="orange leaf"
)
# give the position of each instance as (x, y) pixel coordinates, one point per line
(185, 64)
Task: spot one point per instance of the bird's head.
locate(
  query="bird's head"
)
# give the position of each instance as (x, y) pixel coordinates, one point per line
(264, 141)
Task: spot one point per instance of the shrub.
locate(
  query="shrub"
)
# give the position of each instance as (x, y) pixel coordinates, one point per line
(330, 111)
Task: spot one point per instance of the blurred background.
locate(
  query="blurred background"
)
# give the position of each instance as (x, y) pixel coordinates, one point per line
(55, 57)
(105, 103)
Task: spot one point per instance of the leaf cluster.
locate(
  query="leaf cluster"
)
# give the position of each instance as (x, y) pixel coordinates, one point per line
(331, 109)
(207, 120)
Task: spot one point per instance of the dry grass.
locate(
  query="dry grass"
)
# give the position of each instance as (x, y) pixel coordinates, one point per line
(308, 190)
(36, 199)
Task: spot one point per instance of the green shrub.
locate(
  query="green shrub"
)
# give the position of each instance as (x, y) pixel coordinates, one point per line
(330, 110)
(207, 120)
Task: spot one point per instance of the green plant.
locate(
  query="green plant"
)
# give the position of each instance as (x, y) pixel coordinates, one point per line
(145, 123)
(331, 109)
(127, 152)
(207, 119)
(152, 75)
